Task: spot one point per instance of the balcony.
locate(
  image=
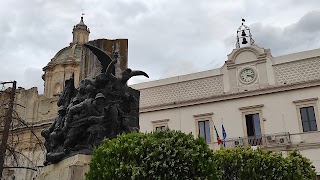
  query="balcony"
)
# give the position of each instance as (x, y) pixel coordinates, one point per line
(275, 140)
(264, 141)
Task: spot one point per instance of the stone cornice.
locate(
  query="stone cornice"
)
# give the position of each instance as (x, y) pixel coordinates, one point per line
(251, 107)
(305, 100)
(229, 96)
(64, 62)
(201, 115)
(258, 61)
(160, 121)
(295, 61)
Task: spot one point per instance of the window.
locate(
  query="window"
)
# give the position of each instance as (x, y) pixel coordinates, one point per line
(253, 129)
(252, 124)
(160, 125)
(308, 119)
(204, 126)
(307, 111)
(204, 130)
(56, 89)
(161, 128)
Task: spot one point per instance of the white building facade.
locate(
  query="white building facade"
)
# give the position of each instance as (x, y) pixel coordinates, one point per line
(261, 100)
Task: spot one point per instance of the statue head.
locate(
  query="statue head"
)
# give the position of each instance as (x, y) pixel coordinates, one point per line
(89, 89)
(102, 78)
(62, 110)
(126, 74)
(100, 98)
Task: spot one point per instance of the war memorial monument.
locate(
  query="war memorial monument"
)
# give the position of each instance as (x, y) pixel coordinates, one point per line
(101, 107)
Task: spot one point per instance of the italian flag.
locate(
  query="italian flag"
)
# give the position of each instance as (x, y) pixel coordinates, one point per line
(218, 138)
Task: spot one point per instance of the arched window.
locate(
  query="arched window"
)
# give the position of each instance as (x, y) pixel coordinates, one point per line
(56, 89)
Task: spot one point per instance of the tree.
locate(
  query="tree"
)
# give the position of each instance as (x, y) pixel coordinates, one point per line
(245, 163)
(157, 155)
(11, 154)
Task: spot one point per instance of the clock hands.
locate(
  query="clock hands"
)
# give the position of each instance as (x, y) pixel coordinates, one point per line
(250, 75)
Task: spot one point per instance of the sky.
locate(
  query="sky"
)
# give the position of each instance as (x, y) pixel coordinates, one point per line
(166, 37)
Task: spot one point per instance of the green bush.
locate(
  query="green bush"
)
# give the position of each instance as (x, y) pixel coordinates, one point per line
(158, 155)
(245, 163)
(175, 155)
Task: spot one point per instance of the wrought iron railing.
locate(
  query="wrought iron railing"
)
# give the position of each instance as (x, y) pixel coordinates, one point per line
(266, 140)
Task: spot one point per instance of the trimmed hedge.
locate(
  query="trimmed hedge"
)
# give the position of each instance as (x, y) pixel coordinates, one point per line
(175, 155)
(245, 163)
(158, 155)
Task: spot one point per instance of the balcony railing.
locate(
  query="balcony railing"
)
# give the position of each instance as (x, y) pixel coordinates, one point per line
(266, 140)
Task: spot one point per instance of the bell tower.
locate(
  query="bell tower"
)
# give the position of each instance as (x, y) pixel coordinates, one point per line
(80, 33)
(244, 35)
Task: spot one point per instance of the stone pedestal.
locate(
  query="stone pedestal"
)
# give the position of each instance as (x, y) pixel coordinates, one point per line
(72, 168)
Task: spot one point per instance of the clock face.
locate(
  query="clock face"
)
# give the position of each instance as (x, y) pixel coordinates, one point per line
(247, 75)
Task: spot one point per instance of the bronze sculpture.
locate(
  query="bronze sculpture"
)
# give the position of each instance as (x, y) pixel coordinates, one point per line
(101, 107)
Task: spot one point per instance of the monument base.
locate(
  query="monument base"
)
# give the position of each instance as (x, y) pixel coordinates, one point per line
(72, 168)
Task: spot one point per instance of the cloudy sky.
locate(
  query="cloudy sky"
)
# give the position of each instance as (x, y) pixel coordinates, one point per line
(166, 37)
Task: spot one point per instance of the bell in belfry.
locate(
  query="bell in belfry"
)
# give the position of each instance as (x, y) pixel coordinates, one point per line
(243, 33)
(244, 41)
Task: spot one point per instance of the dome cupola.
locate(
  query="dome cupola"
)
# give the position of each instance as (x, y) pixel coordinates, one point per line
(80, 33)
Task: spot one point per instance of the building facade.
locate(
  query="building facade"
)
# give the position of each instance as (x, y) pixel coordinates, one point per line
(261, 100)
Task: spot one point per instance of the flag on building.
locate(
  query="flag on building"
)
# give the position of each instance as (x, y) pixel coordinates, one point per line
(218, 138)
(224, 134)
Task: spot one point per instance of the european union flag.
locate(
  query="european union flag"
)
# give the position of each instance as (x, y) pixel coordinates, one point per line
(224, 134)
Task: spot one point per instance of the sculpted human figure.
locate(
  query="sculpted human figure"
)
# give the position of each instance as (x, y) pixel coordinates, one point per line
(77, 127)
(55, 130)
(68, 92)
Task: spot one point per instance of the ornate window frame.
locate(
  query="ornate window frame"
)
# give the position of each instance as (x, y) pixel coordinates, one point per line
(159, 123)
(307, 103)
(252, 110)
(204, 117)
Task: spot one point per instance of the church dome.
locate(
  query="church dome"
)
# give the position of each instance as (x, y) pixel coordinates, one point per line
(68, 55)
(70, 52)
(66, 62)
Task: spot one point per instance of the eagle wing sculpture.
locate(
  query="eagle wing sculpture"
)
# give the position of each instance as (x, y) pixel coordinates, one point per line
(103, 57)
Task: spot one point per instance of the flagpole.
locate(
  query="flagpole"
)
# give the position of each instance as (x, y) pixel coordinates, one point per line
(224, 134)
(218, 138)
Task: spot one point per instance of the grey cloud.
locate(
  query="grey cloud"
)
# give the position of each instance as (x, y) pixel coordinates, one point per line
(299, 36)
(309, 23)
(32, 78)
(166, 38)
